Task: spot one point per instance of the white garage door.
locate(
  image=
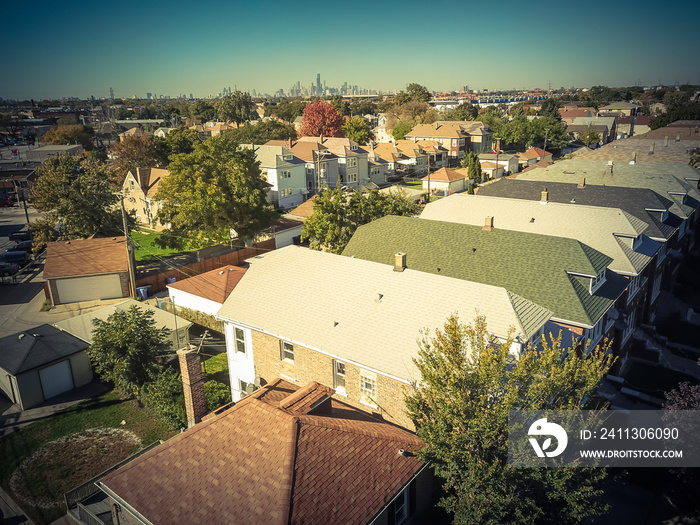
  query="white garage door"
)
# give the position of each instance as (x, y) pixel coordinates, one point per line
(56, 379)
(89, 288)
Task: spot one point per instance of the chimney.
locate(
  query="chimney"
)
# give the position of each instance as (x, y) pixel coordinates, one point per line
(678, 137)
(609, 169)
(290, 143)
(634, 159)
(666, 141)
(488, 224)
(651, 148)
(399, 262)
(192, 384)
(544, 197)
(582, 183)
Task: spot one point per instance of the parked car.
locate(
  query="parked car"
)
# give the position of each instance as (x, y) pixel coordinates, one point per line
(22, 235)
(24, 246)
(8, 268)
(20, 258)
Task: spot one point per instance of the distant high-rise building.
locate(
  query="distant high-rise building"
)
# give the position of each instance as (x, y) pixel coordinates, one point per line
(191, 97)
(149, 96)
(318, 84)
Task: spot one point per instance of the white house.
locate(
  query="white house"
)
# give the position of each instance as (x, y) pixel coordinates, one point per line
(285, 173)
(207, 291)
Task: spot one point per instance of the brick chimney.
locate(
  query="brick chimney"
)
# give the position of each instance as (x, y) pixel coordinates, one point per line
(544, 197)
(399, 262)
(582, 183)
(192, 384)
(488, 224)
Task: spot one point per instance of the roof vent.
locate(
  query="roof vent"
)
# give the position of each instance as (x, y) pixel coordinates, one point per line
(21, 336)
(221, 272)
(666, 141)
(473, 250)
(335, 323)
(488, 224)
(678, 137)
(582, 183)
(544, 198)
(405, 453)
(380, 297)
(532, 219)
(651, 148)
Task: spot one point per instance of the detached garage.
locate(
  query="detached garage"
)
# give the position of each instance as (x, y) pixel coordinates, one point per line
(40, 364)
(86, 270)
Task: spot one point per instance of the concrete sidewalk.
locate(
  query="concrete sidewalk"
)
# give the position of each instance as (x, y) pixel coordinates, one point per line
(10, 512)
(12, 418)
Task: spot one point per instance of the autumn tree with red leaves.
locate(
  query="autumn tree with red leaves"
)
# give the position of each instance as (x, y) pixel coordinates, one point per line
(320, 118)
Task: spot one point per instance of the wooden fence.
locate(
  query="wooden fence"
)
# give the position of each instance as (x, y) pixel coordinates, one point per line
(157, 282)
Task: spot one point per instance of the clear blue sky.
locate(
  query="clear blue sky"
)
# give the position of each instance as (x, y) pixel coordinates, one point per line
(80, 48)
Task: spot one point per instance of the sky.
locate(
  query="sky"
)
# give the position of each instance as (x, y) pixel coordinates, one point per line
(80, 48)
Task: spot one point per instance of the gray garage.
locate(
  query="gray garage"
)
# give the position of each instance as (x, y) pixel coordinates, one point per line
(41, 363)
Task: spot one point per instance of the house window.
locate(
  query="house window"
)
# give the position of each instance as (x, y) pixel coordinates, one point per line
(285, 192)
(461, 142)
(286, 351)
(401, 508)
(285, 174)
(339, 376)
(454, 143)
(352, 163)
(245, 388)
(368, 388)
(240, 340)
(352, 177)
(131, 184)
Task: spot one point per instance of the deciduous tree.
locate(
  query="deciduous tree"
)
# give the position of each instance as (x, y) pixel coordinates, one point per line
(262, 131)
(83, 135)
(589, 136)
(135, 151)
(465, 111)
(236, 107)
(337, 214)
(75, 195)
(125, 347)
(358, 129)
(414, 92)
(211, 191)
(460, 408)
(320, 118)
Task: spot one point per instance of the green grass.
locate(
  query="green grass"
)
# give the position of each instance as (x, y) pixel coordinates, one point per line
(215, 367)
(655, 380)
(414, 184)
(146, 248)
(107, 410)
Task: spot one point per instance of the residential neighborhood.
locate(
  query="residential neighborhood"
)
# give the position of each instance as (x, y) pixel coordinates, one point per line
(325, 304)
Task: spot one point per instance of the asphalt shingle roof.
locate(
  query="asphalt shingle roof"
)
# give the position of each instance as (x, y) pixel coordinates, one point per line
(352, 308)
(530, 265)
(642, 203)
(36, 347)
(259, 462)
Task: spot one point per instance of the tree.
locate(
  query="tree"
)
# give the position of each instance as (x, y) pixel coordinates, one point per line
(358, 129)
(460, 408)
(475, 172)
(263, 131)
(75, 194)
(285, 110)
(343, 106)
(337, 214)
(589, 136)
(465, 111)
(216, 188)
(125, 347)
(321, 119)
(83, 135)
(694, 157)
(414, 92)
(236, 107)
(400, 130)
(135, 151)
(550, 108)
(179, 140)
(362, 107)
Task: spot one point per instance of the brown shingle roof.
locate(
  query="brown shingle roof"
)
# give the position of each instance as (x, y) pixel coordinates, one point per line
(533, 153)
(257, 463)
(86, 257)
(305, 209)
(215, 285)
(444, 174)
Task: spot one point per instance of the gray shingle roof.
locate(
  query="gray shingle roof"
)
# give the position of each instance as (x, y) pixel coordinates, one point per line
(365, 312)
(599, 228)
(533, 266)
(36, 347)
(639, 202)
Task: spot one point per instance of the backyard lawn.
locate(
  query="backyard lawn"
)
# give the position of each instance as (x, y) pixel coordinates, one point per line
(42, 461)
(146, 248)
(215, 367)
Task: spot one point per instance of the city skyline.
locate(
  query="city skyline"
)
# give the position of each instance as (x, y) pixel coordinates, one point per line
(84, 49)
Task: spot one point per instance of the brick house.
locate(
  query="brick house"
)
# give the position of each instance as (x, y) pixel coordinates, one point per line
(304, 315)
(284, 455)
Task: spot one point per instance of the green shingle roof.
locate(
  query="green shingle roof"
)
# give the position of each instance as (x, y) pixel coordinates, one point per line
(535, 267)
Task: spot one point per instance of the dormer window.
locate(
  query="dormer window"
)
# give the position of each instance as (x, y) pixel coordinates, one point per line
(353, 148)
(288, 157)
(679, 194)
(597, 281)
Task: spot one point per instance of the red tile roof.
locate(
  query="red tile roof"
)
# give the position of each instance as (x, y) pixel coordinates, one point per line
(259, 463)
(86, 257)
(215, 285)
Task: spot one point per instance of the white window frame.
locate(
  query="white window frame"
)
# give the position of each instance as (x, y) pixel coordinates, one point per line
(352, 177)
(286, 348)
(239, 341)
(339, 377)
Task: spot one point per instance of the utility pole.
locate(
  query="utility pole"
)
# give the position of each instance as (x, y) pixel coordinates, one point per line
(129, 250)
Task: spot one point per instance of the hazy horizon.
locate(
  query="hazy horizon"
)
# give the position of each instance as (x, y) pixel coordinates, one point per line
(83, 49)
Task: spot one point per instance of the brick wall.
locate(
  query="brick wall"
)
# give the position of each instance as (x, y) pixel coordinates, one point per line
(193, 387)
(310, 365)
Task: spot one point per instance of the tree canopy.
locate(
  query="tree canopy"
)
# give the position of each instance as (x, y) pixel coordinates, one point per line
(75, 194)
(286, 110)
(125, 346)
(135, 151)
(589, 136)
(320, 118)
(262, 131)
(469, 384)
(236, 107)
(358, 129)
(465, 111)
(338, 213)
(216, 188)
(414, 92)
(550, 108)
(75, 134)
(523, 133)
(179, 140)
